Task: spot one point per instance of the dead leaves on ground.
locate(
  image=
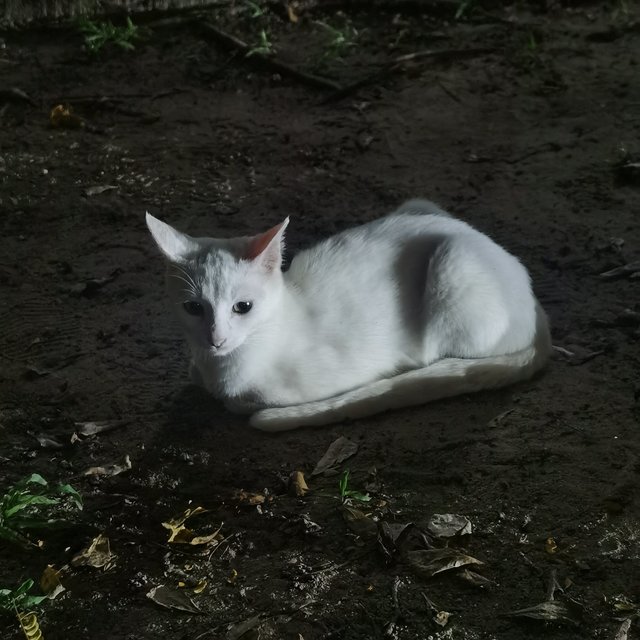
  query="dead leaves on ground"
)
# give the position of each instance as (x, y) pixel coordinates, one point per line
(172, 599)
(430, 562)
(97, 554)
(181, 535)
(339, 450)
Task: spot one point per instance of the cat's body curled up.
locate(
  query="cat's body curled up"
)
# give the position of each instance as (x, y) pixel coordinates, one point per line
(403, 310)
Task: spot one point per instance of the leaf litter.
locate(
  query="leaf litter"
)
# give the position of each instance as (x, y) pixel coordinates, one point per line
(181, 535)
(172, 599)
(97, 554)
(112, 469)
(448, 525)
(430, 562)
(339, 450)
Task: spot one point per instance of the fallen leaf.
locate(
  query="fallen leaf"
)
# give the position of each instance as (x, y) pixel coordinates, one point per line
(297, 484)
(98, 189)
(248, 497)
(631, 270)
(30, 626)
(441, 618)
(181, 535)
(474, 578)
(200, 587)
(623, 631)
(111, 469)
(232, 577)
(50, 582)
(339, 451)
(93, 285)
(97, 554)
(391, 536)
(549, 611)
(429, 562)
(447, 525)
(550, 545)
(47, 442)
(236, 631)
(292, 14)
(358, 522)
(94, 428)
(63, 117)
(172, 599)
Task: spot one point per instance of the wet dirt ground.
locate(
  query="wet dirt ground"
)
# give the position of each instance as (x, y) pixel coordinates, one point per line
(523, 140)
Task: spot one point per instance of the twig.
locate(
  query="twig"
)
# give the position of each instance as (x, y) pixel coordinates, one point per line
(16, 95)
(554, 585)
(231, 42)
(398, 63)
(529, 563)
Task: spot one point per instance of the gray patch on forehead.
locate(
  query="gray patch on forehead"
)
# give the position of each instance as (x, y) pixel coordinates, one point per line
(214, 273)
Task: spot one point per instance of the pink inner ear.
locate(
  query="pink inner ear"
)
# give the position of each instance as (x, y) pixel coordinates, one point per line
(259, 243)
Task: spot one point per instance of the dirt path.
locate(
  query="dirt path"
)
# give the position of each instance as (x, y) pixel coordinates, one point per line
(522, 142)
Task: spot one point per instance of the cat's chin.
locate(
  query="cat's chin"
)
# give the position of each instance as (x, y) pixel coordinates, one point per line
(220, 353)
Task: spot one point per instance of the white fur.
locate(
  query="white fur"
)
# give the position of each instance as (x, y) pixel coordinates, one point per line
(400, 311)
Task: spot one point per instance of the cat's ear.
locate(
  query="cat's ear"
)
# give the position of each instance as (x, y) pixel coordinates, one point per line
(266, 248)
(175, 245)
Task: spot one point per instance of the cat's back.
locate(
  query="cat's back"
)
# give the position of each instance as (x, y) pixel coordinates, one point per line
(370, 248)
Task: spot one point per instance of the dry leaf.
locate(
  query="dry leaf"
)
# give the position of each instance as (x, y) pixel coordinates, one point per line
(447, 525)
(623, 631)
(292, 14)
(98, 189)
(358, 522)
(474, 578)
(30, 626)
(233, 577)
(550, 545)
(627, 270)
(338, 452)
(297, 484)
(97, 555)
(200, 587)
(430, 562)
(550, 610)
(93, 428)
(248, 497)
(63, 117)
(442, 617)
(172, 599)
(111, 469)
(181, 535)
(236, 631)
(50, 582)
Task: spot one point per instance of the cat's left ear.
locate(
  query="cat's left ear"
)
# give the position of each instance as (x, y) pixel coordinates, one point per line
(266, 249)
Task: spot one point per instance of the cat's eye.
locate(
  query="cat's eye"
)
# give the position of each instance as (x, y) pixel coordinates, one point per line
(242, 307)
(193, 308)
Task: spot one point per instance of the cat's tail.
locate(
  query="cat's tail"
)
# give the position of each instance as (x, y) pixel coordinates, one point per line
(442, 379)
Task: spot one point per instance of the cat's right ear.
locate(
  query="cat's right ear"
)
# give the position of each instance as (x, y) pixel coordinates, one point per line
(176, 246)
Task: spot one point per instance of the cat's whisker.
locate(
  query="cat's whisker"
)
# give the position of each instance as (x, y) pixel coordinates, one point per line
(190, 286)
(187, 275)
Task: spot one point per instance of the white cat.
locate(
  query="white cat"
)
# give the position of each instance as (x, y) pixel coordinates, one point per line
(403, 310)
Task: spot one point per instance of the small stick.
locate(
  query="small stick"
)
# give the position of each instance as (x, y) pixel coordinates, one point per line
(232, 42)
(397, 63)
(554, 585)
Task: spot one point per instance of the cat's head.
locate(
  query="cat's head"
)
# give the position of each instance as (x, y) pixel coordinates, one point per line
(222, 290)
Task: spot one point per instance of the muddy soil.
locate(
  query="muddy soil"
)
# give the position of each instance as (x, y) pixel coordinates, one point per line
(524, 140)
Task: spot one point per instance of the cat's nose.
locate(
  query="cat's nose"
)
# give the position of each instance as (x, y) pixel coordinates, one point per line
(218, 345)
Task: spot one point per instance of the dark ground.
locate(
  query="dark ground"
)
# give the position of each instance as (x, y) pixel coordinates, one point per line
(521, 142)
